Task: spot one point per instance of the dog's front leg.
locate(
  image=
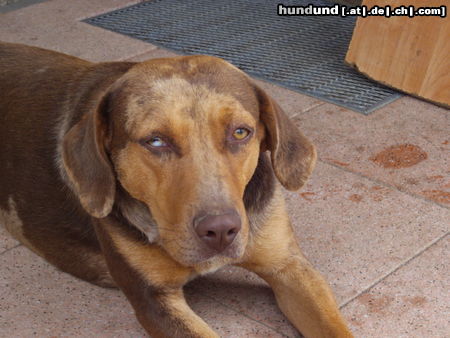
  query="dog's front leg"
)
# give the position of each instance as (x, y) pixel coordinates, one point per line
(152, 282)
(301, 292)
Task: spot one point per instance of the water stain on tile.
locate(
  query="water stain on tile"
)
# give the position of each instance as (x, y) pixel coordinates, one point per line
(355, 198)
(359, 185)
(438, 196)
(412, 181)
(339, 163)
(434, 178)
(357, 192)
(378, 193)
(375, 304)
(356, 321)
(307, 195)
(400, 156)
(377, 198)
(416, 300)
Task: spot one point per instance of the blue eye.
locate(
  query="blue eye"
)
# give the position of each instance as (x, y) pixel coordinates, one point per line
(157, 142)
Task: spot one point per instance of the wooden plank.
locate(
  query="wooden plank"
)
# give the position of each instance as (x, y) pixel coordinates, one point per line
(410, 54)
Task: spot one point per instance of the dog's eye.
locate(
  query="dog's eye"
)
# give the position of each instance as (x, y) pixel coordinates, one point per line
(241, 133)
(157, 142)
(160, 145)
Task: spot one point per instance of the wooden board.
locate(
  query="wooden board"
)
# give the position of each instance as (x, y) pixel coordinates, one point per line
(410, 54)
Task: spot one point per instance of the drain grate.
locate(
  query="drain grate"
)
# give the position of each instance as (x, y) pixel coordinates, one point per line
(303, 53)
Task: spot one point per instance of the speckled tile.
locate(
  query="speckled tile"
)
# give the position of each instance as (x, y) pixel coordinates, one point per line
(405, 144)
(413, 302)
(291, 102)
(153, 54)
(6, 240)
(245, 293)
(56, 25)
(225, 321)
(77, 10)
(38, 300)
(353, 230)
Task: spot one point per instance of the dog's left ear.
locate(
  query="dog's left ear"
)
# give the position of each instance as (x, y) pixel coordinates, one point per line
(86, 162)
(293, 155)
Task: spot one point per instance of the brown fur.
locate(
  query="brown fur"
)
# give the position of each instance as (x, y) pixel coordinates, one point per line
(83, 187)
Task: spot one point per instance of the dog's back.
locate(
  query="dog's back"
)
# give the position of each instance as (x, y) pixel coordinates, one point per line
(30, 73)
(36, 206)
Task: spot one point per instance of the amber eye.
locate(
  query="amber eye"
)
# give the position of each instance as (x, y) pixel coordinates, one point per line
(241, 133)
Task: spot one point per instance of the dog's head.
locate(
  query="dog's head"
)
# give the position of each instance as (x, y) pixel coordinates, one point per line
(182, 138)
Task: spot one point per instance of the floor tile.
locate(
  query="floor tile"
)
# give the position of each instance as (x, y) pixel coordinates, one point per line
(153, 54)
(412, 302)
(405, 144)
(355, 230)
(290, 101)
(56, 25)
(245, 293)
(38, 300)
(6, 240)
(13, 5)
(227, 322)
(78, 10)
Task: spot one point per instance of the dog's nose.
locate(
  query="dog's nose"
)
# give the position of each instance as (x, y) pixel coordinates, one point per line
(218, 231)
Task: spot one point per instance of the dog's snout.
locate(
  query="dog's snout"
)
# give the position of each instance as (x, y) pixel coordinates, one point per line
(218, 231)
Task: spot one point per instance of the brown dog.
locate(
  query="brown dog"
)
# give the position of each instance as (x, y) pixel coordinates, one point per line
(146, 175)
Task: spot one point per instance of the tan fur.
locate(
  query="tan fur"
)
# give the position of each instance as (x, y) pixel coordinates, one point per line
(180, 309)
(301, 292)
(163, 271)
(205, 176)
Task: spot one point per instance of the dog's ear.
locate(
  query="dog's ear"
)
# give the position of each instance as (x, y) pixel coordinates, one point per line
(86, 162)
(293, 155)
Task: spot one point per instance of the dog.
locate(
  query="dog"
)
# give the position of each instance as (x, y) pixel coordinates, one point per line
(145, 175)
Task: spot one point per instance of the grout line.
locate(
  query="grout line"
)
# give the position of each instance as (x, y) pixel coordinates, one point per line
(127, 58)
(18, 5)
(321, 103)
(385, 184)
(106, 10)
(246, 315)
(395, 269)
(15, 246)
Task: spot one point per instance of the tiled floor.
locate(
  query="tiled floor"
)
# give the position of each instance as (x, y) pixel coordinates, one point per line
(374, 218)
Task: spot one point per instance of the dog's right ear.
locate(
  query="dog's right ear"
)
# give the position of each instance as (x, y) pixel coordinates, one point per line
(86, 162)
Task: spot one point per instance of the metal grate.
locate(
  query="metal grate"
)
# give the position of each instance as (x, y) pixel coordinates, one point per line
(303, 53)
